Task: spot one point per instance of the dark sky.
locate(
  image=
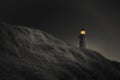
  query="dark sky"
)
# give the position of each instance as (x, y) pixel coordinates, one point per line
(64, 18)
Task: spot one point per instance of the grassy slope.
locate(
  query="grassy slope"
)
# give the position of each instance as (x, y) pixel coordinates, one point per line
(30, 54)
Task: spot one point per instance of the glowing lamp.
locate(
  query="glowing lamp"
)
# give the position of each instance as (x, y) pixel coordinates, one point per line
(83, 31)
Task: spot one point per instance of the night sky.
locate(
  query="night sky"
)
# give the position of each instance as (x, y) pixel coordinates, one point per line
(64, 18)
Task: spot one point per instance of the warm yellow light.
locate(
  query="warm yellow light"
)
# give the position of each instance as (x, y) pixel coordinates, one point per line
(83, 32)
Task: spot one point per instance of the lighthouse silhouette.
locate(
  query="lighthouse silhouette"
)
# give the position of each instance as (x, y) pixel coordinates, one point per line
(82, 38)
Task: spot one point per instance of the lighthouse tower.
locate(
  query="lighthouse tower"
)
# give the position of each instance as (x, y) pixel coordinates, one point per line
(82, 39)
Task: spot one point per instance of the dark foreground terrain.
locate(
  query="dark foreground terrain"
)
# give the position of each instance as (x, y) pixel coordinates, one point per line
(29, 54)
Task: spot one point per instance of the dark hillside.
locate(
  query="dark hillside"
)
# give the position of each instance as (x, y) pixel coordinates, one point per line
(30, 54)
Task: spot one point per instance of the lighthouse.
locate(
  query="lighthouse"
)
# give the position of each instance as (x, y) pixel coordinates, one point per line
(82, 38)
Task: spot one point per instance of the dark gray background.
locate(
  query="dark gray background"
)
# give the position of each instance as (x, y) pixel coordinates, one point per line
(64, 18)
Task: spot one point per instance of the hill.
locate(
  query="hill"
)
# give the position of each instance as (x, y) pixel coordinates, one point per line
(31, 54)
